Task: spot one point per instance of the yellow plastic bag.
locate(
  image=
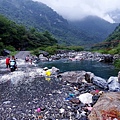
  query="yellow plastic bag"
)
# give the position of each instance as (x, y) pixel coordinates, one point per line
(48, 73)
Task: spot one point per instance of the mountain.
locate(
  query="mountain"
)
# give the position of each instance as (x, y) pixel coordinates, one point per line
(38, 15)
(112, 42)
(95, 27)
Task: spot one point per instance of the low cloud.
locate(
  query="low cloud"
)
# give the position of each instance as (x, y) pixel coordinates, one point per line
(78, 9)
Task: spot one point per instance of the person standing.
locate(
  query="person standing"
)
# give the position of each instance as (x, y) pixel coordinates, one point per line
(27, 58)
(8, 62)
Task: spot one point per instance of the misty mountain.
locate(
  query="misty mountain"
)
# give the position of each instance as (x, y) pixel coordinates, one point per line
(112, 42)
(38, 15)
(95, 27)
(115, 15)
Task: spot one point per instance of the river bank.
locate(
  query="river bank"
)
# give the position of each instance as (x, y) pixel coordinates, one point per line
(27, 94)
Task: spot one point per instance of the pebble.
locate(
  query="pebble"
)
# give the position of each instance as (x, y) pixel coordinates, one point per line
(41, 99)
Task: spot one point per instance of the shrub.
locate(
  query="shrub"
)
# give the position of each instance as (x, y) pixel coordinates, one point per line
(117, 63)
(35, 52)
(10, 48)
(51, 49)
(113, 51)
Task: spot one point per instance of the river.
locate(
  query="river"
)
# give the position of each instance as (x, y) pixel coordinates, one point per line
(99, 69)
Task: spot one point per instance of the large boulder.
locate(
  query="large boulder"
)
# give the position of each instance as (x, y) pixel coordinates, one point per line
(107, 107)
(73, 76)
(42, 58)
(77, 76)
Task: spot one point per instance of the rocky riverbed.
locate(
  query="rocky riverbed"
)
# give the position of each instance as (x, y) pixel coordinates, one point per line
(27, 94)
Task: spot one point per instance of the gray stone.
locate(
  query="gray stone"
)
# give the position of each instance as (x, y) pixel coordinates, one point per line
(113, 84)
(100, 82)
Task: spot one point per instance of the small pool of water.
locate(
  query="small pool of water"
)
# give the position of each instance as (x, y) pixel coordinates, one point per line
(99, 69)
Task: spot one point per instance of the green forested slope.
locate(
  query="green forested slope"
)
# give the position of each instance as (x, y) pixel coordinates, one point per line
(17, 36)
(112, 42)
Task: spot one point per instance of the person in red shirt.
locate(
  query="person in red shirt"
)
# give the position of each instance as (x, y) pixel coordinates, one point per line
(8, 62)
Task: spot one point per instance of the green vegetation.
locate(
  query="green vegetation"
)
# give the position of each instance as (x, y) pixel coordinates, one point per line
(115, 50)
(53, 49)
(112, 51)
(117, 64)
(115, 35)
(17, 37)
(111, 45)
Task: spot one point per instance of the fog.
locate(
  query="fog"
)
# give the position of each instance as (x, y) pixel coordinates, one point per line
(78, 9)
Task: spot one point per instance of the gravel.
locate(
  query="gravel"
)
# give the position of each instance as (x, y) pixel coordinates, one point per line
(42, 98)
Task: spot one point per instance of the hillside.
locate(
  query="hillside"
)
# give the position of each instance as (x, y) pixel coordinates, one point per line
(42, 17)
(14, 36)
(111, 42)
(95, 27)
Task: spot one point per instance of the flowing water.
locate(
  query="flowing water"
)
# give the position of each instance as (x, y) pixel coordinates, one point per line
(99, 69)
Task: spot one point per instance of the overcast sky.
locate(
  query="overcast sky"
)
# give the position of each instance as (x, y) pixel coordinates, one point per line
(77, 9)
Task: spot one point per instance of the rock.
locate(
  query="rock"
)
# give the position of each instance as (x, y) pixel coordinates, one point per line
(42, 58)
(95, 98)
(7, 102)
(107, 58)
(107, 107)
(99, 82)
(89, 76)
(113, 84)
(83, 118)
(55, 70)
(74, 76)
(75, 101)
